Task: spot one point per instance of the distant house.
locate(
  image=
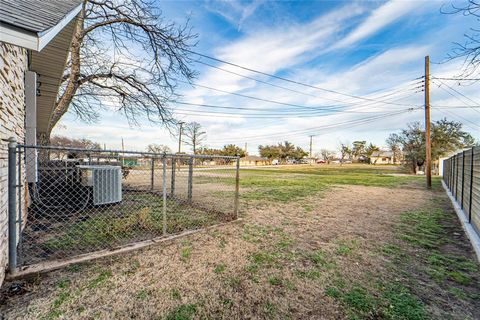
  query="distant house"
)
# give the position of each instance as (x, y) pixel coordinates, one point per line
(35, 38)
(383, 157)
(254, 161)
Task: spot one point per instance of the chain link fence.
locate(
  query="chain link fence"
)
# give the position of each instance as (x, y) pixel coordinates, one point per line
(75, 201)
(461, 175)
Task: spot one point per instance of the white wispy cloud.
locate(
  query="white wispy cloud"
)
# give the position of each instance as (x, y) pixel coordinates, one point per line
(271, 50)
(235, 13)
(378, 19)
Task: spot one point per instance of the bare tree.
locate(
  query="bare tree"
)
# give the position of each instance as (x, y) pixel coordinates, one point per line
(469, 49)
(124, 57)
(194, 135)
(66, 142)
(158, 148)
(345, 151)
(394, 144)
(327, 155)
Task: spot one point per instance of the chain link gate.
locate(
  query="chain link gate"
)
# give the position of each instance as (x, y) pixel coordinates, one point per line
(65, 202)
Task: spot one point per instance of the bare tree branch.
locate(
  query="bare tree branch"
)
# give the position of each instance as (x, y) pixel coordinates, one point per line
(124, 57)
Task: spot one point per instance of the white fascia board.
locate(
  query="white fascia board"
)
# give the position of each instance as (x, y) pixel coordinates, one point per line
(46, 36)
(18, 37)
(31, 40)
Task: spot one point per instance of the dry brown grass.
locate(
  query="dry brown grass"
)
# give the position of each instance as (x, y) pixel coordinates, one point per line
(277, 264)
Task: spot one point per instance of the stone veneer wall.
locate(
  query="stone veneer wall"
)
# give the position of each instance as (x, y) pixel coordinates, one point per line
(13, 64)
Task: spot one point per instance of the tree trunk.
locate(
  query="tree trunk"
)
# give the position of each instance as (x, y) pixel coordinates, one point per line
(43, 139)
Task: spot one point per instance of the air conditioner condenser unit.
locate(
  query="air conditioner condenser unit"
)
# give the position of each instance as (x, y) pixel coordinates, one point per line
(105, 181)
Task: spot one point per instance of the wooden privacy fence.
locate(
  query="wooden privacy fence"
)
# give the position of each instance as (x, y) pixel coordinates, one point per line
(461, 174)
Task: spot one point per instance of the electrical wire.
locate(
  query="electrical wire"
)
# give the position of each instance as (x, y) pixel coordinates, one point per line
(286, 79)
(455, 79)
(457, 92)
(316, 128)
(289, 89)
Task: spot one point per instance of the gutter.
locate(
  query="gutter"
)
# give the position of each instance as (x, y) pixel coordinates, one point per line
(33, 40)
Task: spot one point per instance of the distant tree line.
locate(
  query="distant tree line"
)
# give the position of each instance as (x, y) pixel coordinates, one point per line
(358, 151)
(66, 142)
(282, 151)
(446, 137)
(230, 150)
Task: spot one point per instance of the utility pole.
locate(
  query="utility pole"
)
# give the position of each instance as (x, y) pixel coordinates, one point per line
(180, 137)
(246, 152)
(311, 156)
(428, 146)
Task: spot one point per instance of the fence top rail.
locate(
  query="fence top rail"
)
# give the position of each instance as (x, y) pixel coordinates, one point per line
(463, 152)
(122, 152)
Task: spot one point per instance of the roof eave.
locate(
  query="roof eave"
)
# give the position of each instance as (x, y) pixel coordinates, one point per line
(32, 40)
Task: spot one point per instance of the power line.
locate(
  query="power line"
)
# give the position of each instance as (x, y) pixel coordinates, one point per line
(252, 115)
(456, 97)
(282, 78)
(456, 79)
(252, 97)
(286, 79)
(323, 107)
(319, 110)
(462, 118)
(456, 107)
(316, 128)
(296, 91)
(331, 128)
(458, 92)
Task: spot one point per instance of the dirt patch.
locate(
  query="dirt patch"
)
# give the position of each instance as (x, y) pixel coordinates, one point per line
(280, 263)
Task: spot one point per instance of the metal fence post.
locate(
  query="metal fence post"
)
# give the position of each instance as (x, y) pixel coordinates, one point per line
(20, 187)
(172, 182)
(237, 188)
(450, 174)
(190, 178)
(12, 205)
(152, 174)
(452, 165)
(456, 177)
(463, 177)
(164, 187)
(446, 172)
(472, 162)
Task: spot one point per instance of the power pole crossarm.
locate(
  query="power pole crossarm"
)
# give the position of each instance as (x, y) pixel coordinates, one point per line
(428, 146)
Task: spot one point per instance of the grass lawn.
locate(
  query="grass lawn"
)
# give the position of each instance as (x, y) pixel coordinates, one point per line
(138, 217)
(316, 242)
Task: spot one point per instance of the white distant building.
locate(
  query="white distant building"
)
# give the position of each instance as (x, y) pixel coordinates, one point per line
(383, 157)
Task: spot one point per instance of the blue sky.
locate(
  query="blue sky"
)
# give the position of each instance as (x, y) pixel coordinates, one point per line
(369, 49)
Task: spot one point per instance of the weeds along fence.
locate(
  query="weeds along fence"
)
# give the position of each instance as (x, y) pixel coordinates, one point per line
(65, 202)
(461, 174)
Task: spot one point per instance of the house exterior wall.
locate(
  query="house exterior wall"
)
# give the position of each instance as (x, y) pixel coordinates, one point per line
(254, 162)
(13, 65)
(380, 160)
